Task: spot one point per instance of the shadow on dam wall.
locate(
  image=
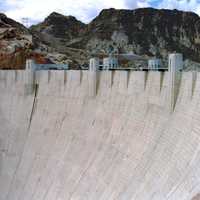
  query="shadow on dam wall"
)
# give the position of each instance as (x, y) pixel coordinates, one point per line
(118, 140)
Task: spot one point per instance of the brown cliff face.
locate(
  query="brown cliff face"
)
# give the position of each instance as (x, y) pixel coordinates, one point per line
(13, 61)
(15, 44)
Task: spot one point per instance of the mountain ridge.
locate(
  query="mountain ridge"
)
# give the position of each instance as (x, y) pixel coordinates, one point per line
(145, 31)
(148, 32)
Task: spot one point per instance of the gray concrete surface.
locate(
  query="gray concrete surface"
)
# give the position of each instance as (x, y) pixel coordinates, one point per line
(61, 143)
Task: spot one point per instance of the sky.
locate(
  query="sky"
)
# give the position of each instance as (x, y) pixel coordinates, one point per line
(84, 10)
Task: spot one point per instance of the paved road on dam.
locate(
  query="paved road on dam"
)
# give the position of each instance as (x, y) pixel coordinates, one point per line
(61, 143)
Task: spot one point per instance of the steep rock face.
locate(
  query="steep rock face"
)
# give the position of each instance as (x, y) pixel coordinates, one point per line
(15, 43)
(144, 31)
(6, 22)
(57, 30)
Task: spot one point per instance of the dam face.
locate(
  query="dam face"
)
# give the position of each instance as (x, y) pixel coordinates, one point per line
(60, 139)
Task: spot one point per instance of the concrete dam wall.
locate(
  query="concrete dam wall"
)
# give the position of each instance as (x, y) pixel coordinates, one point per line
(64, 138)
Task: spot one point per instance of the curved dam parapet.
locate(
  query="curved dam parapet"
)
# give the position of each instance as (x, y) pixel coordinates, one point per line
(112, 135)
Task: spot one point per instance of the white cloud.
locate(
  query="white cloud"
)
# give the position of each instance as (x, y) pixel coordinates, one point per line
(186, 5)
(84, 10)
(137, 4)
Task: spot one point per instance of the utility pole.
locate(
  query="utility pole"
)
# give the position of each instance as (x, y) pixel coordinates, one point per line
(25, 21)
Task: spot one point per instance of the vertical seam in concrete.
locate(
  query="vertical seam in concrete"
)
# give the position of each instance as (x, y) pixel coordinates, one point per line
(112, 77)
(194, 80)
(33, 105)
(98, 80)
(161, 80)
(49, 76)
(65, 77)
(16, 76)
(146, 75)
(80, 77)
(6, 78)
(178, 85)
(128, 77)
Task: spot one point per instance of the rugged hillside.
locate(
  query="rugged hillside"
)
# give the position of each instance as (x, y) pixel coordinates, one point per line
(6, 22)
(62, 39)
(145, 31)
(57, 30)
(15, 43)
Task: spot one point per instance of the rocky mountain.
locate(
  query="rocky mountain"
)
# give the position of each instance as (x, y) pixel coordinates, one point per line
(53, 37)
(15, 43)
(57, 30)
(6, 22)
(145, 31)
(60, 39)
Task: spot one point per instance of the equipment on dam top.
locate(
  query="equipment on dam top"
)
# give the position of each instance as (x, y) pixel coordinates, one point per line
(154, 64)
(128, 61)
(110, 63)
(36, 67)
(113, 61)
(106, 63)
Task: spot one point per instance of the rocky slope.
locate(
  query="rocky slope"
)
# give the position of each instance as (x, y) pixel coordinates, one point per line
(57, 30)
(15, 44)
(53, 37)
(62, 39)
(144, 31)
